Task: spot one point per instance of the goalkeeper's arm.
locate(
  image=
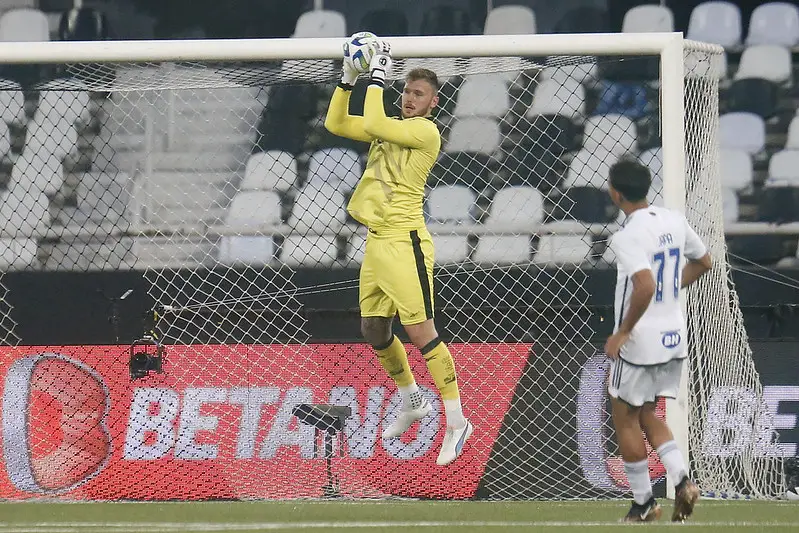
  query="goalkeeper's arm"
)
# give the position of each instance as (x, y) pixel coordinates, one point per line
(339, 121)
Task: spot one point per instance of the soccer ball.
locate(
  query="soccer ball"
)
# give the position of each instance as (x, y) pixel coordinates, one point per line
(359, 49)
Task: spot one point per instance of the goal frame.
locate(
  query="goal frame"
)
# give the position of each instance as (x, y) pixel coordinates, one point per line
(670, 47)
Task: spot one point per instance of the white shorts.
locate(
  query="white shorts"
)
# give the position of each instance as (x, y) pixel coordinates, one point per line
(637, 385)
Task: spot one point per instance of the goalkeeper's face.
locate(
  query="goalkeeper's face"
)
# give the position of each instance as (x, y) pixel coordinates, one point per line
(418, 99)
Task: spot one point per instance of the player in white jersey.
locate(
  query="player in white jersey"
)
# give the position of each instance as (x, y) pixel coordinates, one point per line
(657, 254)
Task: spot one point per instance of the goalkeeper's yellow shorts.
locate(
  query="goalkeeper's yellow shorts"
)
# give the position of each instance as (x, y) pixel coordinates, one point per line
(397, 276)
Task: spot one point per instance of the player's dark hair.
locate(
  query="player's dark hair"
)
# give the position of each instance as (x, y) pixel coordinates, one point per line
(424, 74)
(631, 179)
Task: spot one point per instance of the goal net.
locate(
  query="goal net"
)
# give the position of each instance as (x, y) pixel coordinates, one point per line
(216, 179)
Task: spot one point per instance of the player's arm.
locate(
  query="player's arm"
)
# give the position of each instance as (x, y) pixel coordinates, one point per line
(407, 133)
(339, 121)
(699, 260)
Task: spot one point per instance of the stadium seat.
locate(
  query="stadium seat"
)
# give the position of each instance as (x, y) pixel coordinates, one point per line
(17, 254)
(45, 139)
(446, 20)
(309, 251)
(779, 203)
(356, 246)
(451, 203)
(699, 65)
(22, 211)
(474, 134)
(653, 160)
(558, 97)
(729, 205)
(783, 168)
(250, 250)
(648, 18)
(767, 62)
(753, 95)
(735, 168)
(283, 133)
(562, 250)
(56, 105)
(508, 69)
(24, 25)
(450, 249)
(717, 23)
(254, 208)
(445, 68)
(83, 24)
(792, 142)
(318, 207)
(742, 131)
(12, 102)
(584, 70)
(552, 132)
(516, 205)
(538, 165)
(385, 22)
(272, 170)
(502, 250)
(584, 19)
(5, 140)
(39, 171)
(586, 204)
(321, 23)
(510, 20)
(589, 168)
(462, 168)
(482, 95)
(764, 249)
(336, 166)
(774, 23)
(616, 133)
(620, 98)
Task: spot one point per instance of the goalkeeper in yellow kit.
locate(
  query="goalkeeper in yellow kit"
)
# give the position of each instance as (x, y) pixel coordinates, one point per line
(396, 276)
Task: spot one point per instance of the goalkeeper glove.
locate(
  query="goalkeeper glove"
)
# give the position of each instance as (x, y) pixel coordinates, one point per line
(380, 65)
(349, 75)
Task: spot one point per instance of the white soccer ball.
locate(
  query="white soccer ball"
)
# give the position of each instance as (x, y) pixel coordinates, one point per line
(359, 49)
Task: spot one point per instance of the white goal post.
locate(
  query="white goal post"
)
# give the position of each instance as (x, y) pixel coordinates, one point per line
(687, 102)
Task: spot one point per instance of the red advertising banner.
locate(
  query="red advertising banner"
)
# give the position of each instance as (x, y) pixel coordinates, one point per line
(218, 423)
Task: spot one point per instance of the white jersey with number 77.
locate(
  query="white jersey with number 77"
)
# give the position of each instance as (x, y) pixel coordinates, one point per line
(659, 240)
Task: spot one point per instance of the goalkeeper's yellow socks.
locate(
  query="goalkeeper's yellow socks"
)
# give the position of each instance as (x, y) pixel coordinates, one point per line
(442, 367)
(394, 359)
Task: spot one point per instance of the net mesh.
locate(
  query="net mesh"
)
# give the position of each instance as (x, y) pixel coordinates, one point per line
(221, 184)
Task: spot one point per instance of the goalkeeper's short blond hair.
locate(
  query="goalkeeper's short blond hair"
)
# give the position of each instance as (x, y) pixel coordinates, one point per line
(424, 74)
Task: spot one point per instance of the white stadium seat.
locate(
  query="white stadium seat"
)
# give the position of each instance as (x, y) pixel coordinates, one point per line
(766, 61)
(648, 18)
(253, 250)
(774, 23)
(337, 166)
(474, 134)
(42, 171)
(254, 208)
(652, 158)
(450, 249)
(444, 67)
(562, 250)
(271, 170)
(24, 210)
(615, 133)
(792, 142)
(502, 250)
(311, 250)
(318, 207)
(56, 105)
(451, 203)
(57, 141)
(482, 95)
(742, 131)
(729, 205)
(783, 168)
(717, 23)
(589, 168)
(321, 23)
(5, 140)
(516, 205)
(24, 25)
(700, 65)
(558, 97)
(585, 70)
(17, 254)
(12, 103)
(735, 168)
(356, 247)
(510, 20)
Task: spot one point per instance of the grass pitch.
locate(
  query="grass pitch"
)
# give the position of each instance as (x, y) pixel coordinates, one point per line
(345, 516)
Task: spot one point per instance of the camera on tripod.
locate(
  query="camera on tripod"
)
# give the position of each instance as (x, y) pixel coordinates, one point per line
(146, 355)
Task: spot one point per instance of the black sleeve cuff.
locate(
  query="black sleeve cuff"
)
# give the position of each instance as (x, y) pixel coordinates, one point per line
(345, 86)
(377, 82)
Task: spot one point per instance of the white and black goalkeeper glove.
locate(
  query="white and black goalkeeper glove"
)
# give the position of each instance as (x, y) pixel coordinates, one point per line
(380, 65)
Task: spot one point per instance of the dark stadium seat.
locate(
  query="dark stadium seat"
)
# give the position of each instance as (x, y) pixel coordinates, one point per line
(586, 204)
(779, 204)
(287, 133)
(753, 95)
(628, 99)
(462, 168)
(446, 20)
(584, 19)
(537, 166)
(83, 24)
(760, 249)
(385, 22)
(556, 133)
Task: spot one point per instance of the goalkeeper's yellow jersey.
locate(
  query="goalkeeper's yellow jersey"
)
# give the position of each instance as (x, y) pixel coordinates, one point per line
(390, 194)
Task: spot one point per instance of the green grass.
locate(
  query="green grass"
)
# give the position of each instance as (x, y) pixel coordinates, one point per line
(383, 516)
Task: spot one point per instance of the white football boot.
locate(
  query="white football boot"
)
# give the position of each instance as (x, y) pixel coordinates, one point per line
(453, 443)
(405, 419)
